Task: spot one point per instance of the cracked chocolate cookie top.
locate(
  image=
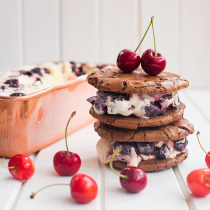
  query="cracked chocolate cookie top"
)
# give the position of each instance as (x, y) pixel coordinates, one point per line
(138, 82)
(172, 132)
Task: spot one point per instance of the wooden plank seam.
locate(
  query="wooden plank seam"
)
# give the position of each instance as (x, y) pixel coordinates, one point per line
(184, 188)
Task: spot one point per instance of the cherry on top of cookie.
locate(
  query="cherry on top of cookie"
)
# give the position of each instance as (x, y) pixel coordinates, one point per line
(138, 82)
(152, 62)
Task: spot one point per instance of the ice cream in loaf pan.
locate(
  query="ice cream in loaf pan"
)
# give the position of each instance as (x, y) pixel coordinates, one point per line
(32, 78)
(31, 122)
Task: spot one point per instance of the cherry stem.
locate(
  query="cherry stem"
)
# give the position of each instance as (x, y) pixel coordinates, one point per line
(152, 18)
(207, 180)
(111, 160)
(72, 115)
(33, 194)
(5, 166)
(200, 143)
(144, 34)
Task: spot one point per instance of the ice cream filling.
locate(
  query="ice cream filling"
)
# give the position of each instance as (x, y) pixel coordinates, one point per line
(142, 106)
(134, 152)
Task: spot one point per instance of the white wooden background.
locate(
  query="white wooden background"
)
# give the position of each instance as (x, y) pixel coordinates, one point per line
(32, 31)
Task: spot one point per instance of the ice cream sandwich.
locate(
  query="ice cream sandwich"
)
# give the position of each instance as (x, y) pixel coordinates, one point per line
(151, 149)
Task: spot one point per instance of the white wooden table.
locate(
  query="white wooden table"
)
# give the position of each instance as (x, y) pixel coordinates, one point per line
(165, 189)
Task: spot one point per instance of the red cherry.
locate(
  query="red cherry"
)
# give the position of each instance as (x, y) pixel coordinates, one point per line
(198, 182)
(83, 188)
(66, 165)
(207, 159)
(21, 167)
(133, 179)
(136, 181)
(128, 61)
(151, 64)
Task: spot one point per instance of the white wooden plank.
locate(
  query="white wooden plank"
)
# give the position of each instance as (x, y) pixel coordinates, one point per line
(80, 35)
(196, 157)
(167, 30)
(83, 143)
(119, 27)
(10, 36)
(41, 30)
(184, 188)
(195, 43)
(160, 193)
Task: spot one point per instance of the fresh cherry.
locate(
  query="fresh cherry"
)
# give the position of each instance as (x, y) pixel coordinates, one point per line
(127, 60)
(152, 62)
(21, 167)
(207, 159)
(132, 178)
(198, 182)
(66, 163)
(136, 181)
(82, 188)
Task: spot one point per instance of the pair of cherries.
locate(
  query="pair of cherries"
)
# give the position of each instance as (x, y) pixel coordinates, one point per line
(198, 180)
(152, 62)
(82, 187)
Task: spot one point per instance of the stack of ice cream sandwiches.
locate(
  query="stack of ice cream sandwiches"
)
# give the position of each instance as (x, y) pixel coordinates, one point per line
(143, 114)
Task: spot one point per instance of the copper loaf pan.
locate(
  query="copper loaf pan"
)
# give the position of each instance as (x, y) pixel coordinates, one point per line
(30, 123)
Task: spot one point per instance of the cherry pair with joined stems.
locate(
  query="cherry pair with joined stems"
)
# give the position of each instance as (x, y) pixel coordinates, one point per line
(67, 163)
(151, 61)
(132, 178)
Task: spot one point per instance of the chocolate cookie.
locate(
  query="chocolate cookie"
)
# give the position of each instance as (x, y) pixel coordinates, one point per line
(172, 132)
(155, 164)
(135, 122)
(138, 82)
